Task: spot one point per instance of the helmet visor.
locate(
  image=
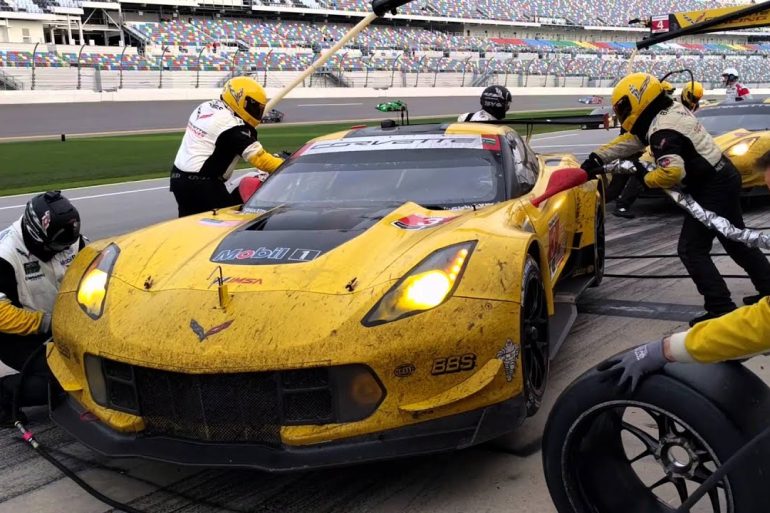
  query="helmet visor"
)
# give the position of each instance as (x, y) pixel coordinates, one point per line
(65, 236)
(253, 108)
(622, 109)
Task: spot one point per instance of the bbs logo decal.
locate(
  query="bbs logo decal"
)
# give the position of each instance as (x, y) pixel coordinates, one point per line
(452, 364)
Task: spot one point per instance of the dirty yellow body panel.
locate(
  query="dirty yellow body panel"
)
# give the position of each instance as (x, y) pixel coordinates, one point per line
(308, 315)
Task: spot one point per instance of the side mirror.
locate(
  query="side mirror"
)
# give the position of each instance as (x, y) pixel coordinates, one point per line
(560, 181)
(248, 186)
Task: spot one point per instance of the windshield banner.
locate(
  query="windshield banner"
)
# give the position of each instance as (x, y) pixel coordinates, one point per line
(404, 142)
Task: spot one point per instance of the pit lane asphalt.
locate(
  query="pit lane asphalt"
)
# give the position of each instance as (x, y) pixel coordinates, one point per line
(480, 479)
(99, 117)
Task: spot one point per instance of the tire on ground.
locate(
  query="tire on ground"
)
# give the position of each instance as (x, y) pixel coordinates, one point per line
(598, 487)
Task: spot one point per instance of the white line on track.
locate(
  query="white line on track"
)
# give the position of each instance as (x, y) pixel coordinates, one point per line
(29, 194)
(94, 196)
(327, 104)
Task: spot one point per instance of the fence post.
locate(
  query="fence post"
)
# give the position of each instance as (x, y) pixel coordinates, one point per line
(232, 62)
(267, 63)
(393, 70)
(162, 56)
(34, 51)
(198, 71)
(419, 67)
(508, 65)
(368, 66)
(465, 70)
(435, 71)
(120, 69)
(80, 52)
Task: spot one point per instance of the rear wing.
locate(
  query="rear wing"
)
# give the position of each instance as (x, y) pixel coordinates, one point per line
(671, 26)
(585, 121)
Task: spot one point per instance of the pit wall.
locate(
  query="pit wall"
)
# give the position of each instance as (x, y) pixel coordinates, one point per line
(148, 95)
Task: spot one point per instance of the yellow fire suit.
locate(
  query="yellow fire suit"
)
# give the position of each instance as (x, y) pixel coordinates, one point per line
(739, 334)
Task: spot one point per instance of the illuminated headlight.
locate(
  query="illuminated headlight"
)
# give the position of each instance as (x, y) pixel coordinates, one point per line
(424, 287)
(740, 149)
(93, 285)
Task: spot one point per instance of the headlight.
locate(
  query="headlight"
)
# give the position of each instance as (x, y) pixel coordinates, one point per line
(358, 392)
(424, 287)
(740, 149)
(93, 285)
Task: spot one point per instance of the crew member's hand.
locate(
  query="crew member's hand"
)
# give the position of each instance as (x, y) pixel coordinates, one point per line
(593, 165)
(634, 364)
(282, 155)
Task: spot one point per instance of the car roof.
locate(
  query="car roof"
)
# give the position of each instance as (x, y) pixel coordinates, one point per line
(419, 129)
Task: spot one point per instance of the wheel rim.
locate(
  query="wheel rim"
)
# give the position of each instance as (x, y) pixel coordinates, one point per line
(534, 337)
(599, 245)
(638, 458)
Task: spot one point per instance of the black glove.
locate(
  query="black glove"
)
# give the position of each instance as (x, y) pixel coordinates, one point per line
(593, 165)
(283, 155)
(641, 170)
(633, 365)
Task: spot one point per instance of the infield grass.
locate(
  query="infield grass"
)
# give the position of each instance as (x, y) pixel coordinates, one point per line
(31, 166)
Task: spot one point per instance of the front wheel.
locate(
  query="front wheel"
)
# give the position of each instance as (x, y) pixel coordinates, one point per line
(599, 244)
(535, 348)
(604, 452)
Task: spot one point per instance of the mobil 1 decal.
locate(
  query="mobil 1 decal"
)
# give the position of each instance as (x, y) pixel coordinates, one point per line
(265, 255)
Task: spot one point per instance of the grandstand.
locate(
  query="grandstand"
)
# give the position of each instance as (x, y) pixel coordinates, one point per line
(468, 43)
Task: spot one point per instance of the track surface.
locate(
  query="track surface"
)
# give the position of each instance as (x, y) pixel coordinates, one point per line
(98, 117)
(481, 479)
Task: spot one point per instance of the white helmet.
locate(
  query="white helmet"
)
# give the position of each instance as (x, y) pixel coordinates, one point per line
(729, 75)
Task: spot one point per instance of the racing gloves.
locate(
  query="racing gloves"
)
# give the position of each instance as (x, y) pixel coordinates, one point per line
(634, 364)
(593, 165)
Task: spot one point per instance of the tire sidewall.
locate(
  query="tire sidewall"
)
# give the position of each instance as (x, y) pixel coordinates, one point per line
(704, 417)
(530, 271)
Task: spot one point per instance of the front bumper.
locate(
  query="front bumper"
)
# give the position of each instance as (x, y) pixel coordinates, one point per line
(434, 436)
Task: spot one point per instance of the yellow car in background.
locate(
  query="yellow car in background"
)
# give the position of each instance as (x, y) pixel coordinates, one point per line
(389, 291)
(742, 130)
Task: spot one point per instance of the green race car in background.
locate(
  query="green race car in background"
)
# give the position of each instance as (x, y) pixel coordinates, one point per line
(393, 106)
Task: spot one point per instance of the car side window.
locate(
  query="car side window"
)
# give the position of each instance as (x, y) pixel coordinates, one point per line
(525, 164)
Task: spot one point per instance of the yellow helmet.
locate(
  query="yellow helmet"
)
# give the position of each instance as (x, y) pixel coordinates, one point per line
(667, 87)
(632, 96)
(246, 98)
(692, 94)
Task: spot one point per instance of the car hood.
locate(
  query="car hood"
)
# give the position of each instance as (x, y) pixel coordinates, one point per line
(297, 248)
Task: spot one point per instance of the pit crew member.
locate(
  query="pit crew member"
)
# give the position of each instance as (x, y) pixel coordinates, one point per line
(495, 102)
(220, 133)
(740, 334)
(734, 90)
(686, 156)
(692, 94)
(35, 251)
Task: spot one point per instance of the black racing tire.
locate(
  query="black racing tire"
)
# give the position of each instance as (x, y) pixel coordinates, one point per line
(535, 347)
(599, 246)
(587, 468)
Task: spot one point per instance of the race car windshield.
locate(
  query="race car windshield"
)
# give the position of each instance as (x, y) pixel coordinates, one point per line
(717, 123)
(443, 178)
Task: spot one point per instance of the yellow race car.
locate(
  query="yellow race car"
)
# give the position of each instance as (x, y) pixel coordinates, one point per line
(742, 130)
(387, 292)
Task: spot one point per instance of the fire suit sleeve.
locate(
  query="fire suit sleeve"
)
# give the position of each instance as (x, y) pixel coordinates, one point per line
(741, 333)
(242, 140)
(261, 159)
(15, 320)
(668, 148)
(621, 147)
